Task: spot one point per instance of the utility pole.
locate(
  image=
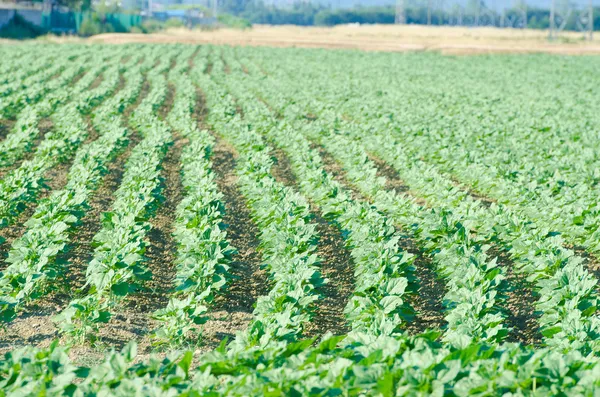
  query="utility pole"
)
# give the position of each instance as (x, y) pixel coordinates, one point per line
(551, 36)
(400, 12)
(215, 6)
(428, 12)
(591, 21)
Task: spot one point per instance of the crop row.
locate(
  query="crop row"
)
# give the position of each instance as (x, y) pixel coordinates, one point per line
(34, 268)
(383, 271)
(203, 252)
(288, 238)
(117, 267)
(567, 298)
(23, 184)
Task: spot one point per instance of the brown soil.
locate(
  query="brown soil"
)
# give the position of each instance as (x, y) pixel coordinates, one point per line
(77, 77)
(281, 169)
(483, 199)
(336, 267)
(226, 67)
(591, 261)
(393, 181)
(6, 127)
(44, 126)
(428, 301)
(191, 63)
(237, 303)
(394, 38)
(29, 329)
(333, 168)
(162, 249)
(35, 326)
(167, 105)
(520, 299)
(97, 81)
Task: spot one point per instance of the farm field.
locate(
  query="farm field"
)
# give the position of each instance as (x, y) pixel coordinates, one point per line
(212, 220)
(445, 39)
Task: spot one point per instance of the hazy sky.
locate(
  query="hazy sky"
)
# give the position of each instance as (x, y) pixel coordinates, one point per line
(495, 4)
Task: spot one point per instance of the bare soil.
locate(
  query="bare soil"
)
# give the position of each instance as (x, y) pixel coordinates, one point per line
(77, 77)
(519, 305)
(6, 127)
(428, 300)
(35, 326)
(520, 312)
(336, 267)
(97, 81)
(396, 38)
(44, 126)
(333, 168)
(393, 181)
(234, 308)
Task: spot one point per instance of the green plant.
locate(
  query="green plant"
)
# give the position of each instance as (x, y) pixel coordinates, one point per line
(174, 23)
(152, 26)
(234, 22)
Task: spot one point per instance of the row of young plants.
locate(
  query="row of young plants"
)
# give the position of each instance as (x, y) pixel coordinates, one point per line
(566, 205)
(547, 173)
(117, 267)
(386, 366)
(203, 251)
(25, 130)
(36, 87)
(34, 267)
(567, 299)
(383, 271)
(541, 162)
(360, 365)
(22, 185)
(472, 278)
(21, 68)
(288, 237)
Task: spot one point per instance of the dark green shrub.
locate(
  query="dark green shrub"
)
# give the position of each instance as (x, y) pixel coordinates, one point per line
(151, 26)
(19, 28)
(174, 23)
(234, 22)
